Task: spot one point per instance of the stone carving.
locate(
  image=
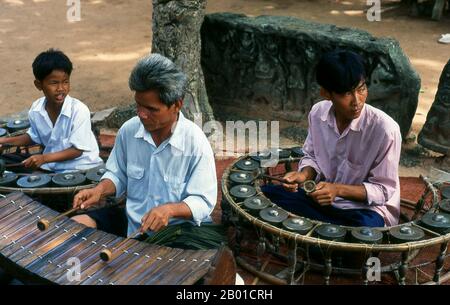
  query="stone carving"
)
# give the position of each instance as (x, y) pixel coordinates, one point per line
(265, 66)
(435, 134)
(176, 35)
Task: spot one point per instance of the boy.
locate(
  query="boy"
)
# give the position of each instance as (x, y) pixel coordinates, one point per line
(57, 121)
(353, 149)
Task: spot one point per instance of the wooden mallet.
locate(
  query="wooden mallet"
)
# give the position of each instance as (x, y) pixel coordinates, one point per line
(107, 255)
(43, 224)
(4, 166)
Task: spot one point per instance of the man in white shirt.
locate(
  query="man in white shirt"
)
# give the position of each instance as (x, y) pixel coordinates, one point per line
(163, 162)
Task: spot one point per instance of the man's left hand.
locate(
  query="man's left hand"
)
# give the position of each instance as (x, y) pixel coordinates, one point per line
(325, 193)
(34, 161)
(156, 219)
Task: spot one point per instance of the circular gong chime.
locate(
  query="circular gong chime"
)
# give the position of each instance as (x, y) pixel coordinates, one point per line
(405, 233)
(242, 192)
(261, 155)
(3, 132)
(274, 216)
(331, 232)
(437, 222)
(95, 174)
(298, 225)
(297, 152)
(8, 179)
(445, 190)
(255, 204)
(444, 206)
(247, 165)
(282, 153)
(16, 125)
(34, 181)
(69, 179)
(366, 235)
(241, 178)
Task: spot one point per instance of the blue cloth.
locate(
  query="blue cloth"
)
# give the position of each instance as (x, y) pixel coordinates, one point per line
(180, 169)
(302, 205)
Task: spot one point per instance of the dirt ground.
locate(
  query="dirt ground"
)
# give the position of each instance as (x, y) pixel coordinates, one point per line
(113, 34)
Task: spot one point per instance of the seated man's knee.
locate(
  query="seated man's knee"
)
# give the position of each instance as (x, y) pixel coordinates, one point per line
(85, 220)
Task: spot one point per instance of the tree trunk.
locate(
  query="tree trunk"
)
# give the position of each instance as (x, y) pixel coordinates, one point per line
(176, 35)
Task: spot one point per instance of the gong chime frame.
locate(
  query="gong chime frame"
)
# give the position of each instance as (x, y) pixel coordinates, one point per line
(237, 216)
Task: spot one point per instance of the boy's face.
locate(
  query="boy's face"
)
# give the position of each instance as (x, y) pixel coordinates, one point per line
(348, 105)
(154, 114)
(56, 87)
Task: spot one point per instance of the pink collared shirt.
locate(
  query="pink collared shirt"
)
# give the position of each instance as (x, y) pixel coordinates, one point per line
(366, 153)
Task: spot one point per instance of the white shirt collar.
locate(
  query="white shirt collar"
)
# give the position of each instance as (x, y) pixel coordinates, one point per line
(66, 109)
(176, 139)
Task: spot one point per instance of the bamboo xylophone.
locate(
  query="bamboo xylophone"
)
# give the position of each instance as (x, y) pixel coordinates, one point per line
(51, 256)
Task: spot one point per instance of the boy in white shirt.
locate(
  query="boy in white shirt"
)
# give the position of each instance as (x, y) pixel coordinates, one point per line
(59, 122)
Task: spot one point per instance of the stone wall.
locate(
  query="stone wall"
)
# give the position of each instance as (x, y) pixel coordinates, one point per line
(264, 67)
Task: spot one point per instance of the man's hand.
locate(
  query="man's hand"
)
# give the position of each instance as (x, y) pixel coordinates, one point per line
(34, 161)
(86, 198)
(293, 179)
(157, 218)
(325, 193)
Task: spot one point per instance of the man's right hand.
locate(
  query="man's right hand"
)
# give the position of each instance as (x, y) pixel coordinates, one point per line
(293, 179)
(86, 198)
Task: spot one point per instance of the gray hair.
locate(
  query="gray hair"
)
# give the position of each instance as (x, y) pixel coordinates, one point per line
(156, 72)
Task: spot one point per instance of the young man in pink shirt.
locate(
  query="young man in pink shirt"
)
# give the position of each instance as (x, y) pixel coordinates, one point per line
(352, 152)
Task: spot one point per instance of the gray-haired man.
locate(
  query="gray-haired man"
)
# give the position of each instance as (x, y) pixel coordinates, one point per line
(163, 162)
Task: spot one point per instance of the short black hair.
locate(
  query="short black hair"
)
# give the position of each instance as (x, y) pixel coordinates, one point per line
(340, 71)
(156, 72)
(50, 60)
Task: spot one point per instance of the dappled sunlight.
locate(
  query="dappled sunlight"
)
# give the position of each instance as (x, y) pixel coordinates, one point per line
(85, 43)
(113, 57)
(354, 12)
(348, 12)
(6, 20)
(39, 1)
(14, 2)
(428, 63)
(20, 37)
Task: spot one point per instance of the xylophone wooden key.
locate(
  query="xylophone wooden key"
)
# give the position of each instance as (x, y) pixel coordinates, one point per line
(86, 251)
(147, 257)
(102, 271)
(54, 252)
(22, 226)
(188, 262)
(156, 266)
(50, 244)
(87, 264)
(37, 239)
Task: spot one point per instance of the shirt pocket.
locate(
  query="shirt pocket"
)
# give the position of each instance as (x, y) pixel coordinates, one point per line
(350, 173)
(135, 185)
(175, 186)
